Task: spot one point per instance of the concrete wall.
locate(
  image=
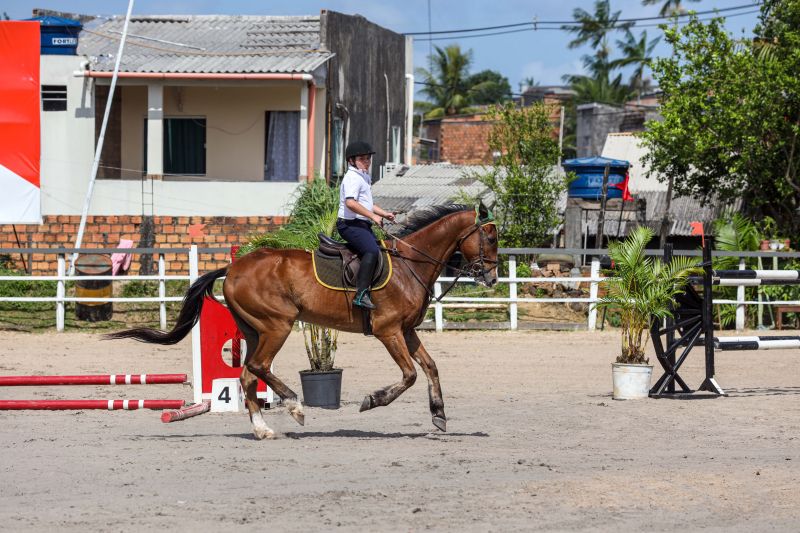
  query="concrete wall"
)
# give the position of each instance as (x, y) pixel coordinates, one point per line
(369, 61)
(234, 121)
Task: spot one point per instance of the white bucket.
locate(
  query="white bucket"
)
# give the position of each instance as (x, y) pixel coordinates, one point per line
(631, 382)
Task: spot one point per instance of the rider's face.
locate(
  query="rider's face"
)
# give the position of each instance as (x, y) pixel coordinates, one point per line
(363, 161)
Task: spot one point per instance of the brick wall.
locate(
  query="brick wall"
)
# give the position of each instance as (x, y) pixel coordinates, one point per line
(465, 141)
(106, 231)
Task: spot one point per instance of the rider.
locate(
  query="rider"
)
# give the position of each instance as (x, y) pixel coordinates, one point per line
(357, 213)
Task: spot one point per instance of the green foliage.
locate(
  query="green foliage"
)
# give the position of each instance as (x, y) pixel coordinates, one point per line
(731, 115)
(488, 87)
(314, 211)
(641, 290)
(446, 82)
(522, 179)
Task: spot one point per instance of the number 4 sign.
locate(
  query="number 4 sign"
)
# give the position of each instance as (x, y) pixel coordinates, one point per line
(226, 395)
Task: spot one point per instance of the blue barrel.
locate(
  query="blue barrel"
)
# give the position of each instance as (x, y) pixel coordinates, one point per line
(589, 182)
(59, 36)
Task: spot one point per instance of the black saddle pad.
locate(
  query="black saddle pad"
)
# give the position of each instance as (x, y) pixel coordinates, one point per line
(329, 272)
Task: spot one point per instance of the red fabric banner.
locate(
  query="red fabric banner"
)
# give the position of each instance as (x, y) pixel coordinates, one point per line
(20, 143)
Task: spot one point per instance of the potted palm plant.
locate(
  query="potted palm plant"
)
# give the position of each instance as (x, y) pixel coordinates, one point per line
(641, 289)
(314, 211)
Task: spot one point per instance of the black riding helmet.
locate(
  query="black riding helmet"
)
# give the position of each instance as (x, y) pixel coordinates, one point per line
(357, 148)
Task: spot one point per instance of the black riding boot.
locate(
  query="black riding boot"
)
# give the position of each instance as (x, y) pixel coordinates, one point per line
(365, 273)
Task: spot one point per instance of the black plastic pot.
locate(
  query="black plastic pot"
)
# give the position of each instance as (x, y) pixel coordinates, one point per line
(322, 389)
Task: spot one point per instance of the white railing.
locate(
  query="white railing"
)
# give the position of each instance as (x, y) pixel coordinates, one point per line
(510, 303)
(61, 278)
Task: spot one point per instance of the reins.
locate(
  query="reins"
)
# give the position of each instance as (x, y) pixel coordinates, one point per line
(472, 268)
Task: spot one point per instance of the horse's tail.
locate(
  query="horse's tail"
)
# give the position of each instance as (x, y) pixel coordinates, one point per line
(188, 317)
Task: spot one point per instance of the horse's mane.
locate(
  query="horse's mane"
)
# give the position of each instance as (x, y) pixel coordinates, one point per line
(419, 218)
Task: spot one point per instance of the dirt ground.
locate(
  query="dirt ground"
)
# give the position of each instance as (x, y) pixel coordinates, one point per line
(534, 442)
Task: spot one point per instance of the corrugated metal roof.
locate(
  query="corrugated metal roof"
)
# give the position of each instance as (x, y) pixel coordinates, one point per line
(403, 188)
(682, 211)
(207, 44)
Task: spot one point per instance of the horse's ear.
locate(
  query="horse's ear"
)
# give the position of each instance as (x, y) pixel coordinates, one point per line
(484, 215)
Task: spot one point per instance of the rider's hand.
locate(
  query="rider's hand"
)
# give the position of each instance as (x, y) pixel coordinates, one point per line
(377, 219)
(389, 217)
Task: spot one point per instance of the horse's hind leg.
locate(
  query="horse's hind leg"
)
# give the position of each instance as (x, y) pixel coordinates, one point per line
(256, 366)
(396, 346)
(423, 359)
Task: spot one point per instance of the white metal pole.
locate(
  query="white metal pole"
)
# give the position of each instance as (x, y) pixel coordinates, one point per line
(197, 368)
(162, 293)
(98, 150)
(561, 135)
(437, 307)
(60, 292)
(740, 307)
(594, 273)
(512, 274)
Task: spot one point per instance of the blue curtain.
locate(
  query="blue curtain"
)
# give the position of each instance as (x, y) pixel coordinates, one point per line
(282, 150)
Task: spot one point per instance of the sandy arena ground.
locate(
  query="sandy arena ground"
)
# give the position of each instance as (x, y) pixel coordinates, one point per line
(535, 442)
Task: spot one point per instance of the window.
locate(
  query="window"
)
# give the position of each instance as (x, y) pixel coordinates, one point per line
(185, 146)
(282, 146)
(396, 138)
(54, 97)
(337, 147)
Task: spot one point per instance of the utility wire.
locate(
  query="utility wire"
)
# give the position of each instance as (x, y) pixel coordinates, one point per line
(561, 28)
(536, 24)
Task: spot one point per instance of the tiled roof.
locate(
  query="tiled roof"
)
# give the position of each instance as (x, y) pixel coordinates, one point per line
(207, 44)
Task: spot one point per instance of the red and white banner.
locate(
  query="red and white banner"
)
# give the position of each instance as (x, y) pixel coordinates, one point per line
(20, 199)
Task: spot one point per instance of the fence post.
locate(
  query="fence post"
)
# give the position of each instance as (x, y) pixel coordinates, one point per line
(61, 270)
(512, 290)
(594, 273)
(197, 369)
(740, 308)
(437, 307)
(162, 293)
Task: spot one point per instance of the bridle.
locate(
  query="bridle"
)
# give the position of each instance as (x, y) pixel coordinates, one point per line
(474, 269)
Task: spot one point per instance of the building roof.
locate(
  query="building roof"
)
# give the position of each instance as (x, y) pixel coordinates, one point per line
(682, 210)
(207, 44)
(403, 188)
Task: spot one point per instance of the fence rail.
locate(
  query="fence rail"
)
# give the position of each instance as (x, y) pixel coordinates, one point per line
(508, 256)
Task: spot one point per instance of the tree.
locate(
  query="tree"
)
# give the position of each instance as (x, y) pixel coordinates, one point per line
(523, 178)
(731, 117)
(488, 87)
(636, 52)
(446, 83)
(594, 29)
(668, 7)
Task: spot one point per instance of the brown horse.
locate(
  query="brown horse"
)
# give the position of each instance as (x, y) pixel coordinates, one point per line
(268, 290)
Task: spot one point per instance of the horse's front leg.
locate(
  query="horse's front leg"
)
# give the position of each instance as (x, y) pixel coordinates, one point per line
(424, 360)
(396, 345)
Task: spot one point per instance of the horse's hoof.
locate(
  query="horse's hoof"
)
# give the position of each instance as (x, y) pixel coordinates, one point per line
(262, 434)
(440, 422)
(296, 410)
(366, 405)
(299, 416)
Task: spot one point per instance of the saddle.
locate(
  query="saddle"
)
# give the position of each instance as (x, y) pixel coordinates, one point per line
(336, 266)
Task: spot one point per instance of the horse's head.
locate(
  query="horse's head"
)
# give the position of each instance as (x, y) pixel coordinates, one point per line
(479, 246)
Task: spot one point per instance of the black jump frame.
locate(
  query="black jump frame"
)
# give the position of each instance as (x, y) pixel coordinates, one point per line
(692, 325)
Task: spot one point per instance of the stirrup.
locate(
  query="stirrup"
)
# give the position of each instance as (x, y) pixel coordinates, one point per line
(362, 300)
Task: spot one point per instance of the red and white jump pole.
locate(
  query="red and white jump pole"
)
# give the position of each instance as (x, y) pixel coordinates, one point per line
(101, 379)
(110, 405)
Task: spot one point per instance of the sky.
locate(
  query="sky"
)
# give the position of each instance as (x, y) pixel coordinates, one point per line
(542, 54)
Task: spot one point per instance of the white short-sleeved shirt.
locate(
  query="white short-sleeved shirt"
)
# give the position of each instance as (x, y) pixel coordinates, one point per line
(357, 185)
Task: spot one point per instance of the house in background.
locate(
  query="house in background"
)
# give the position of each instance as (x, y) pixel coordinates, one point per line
(214, 122)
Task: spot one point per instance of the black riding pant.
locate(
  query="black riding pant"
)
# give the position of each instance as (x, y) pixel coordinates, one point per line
(359, 236)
